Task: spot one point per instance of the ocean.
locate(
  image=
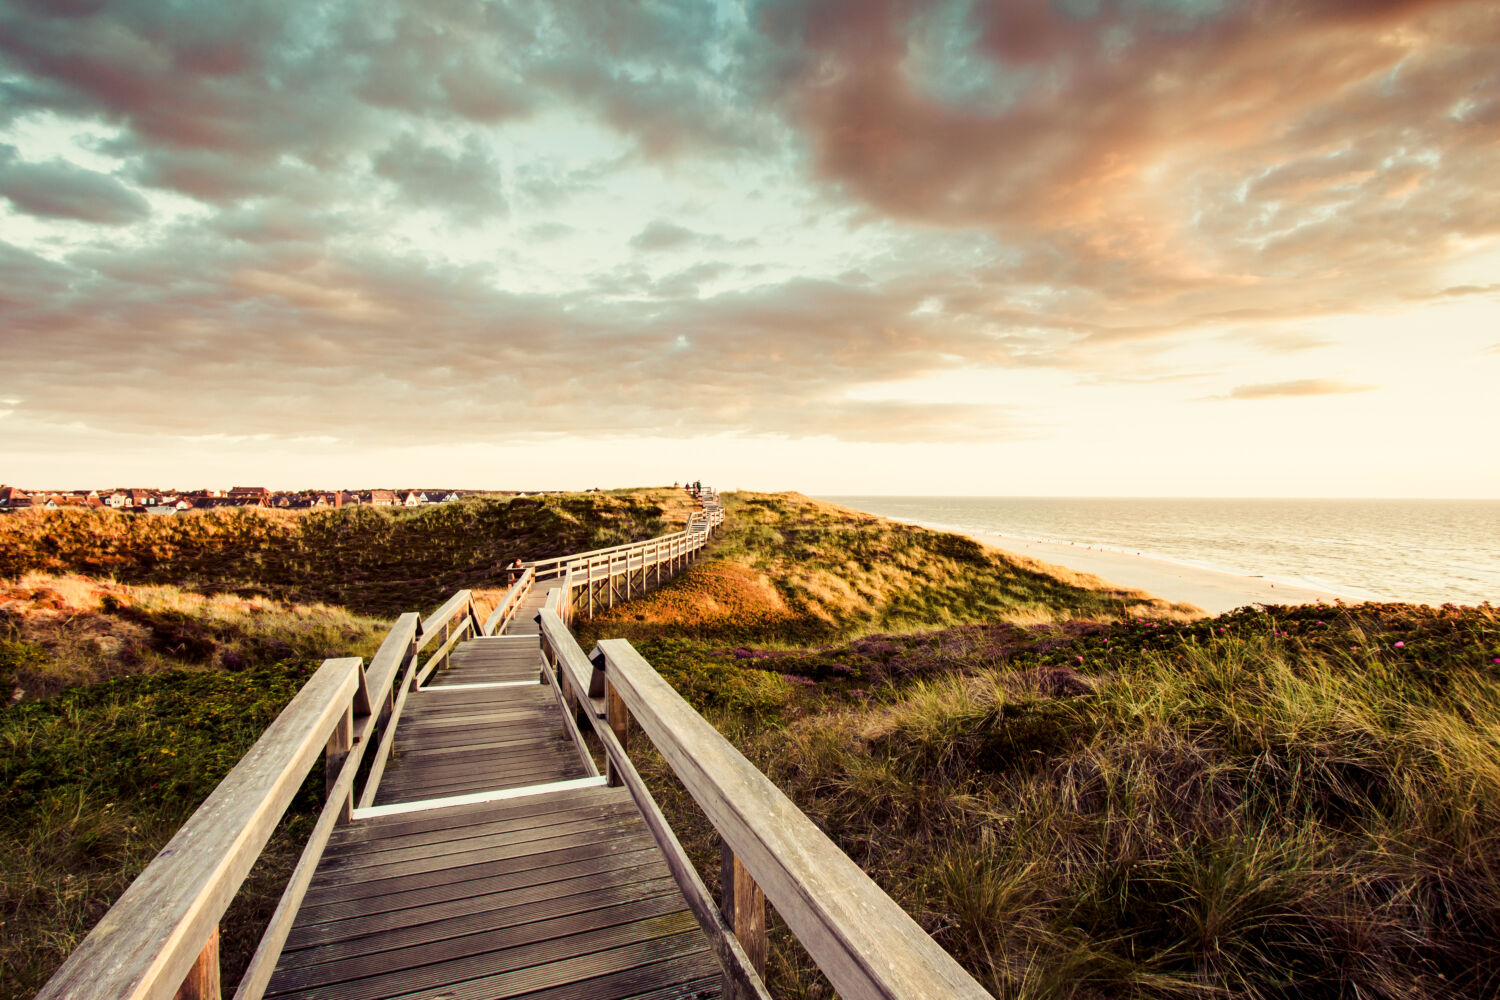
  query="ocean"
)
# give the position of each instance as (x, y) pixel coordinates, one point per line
(1418, 551)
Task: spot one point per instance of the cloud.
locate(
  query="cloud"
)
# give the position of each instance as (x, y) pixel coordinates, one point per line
(1162, 165)
(1297, 387)
(465, 186)
(663, 235)
(659, 235)
(1075, 186)
(59, 190)
(272, 336)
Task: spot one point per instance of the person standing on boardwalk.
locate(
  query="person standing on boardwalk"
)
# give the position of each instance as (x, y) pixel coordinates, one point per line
(513, 571)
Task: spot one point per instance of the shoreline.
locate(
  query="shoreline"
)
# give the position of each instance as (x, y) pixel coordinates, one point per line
(1215, 591)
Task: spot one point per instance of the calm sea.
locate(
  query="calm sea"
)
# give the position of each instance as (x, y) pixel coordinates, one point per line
(1423, 551)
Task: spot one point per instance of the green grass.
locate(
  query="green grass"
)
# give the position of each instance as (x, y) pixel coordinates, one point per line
(95, 781)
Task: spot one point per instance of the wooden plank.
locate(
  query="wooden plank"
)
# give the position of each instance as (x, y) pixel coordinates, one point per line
(370, 892)
(462, 927)
(470, 846)
(377, 835)
(404, 793)
(744, 909)
(371, 907)
(525, 969)
(367, 839)
(145, 944)
(866, 944)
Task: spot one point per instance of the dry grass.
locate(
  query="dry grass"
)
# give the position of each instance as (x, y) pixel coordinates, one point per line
(372, 560)
(61, 631)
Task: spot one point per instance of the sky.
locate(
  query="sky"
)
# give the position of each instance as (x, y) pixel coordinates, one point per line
(1032, 247)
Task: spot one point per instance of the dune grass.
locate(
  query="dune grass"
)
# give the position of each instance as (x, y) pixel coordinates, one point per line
(97, 779)
(1274, 803)
(1094, 795)
(786, 567)
(1081, 792)
(373, 560)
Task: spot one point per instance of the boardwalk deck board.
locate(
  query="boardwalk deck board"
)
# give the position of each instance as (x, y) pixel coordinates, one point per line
(560, 895)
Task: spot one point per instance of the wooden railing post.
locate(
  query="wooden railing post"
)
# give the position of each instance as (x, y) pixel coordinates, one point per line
(744, 908)
(340, 742)
(202, 982)
(619, 721)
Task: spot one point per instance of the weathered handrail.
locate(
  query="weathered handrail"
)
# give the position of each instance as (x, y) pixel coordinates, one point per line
(866, 945)
(557, 565)
(506, 609)
(741, 969)
(461, 603)
(149, 941)
(160, 939)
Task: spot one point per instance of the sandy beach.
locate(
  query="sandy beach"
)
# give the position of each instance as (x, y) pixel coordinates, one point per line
(1211, 590)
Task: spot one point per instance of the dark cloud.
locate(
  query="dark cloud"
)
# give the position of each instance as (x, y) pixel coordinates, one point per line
(466, 185)
(59, 190)
(1297, 387)
(1162, 166)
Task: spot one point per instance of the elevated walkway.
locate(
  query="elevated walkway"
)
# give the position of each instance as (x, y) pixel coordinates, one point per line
(470, 849)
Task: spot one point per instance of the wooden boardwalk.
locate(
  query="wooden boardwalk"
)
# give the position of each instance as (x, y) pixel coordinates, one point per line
(469, 848)
(553, 891)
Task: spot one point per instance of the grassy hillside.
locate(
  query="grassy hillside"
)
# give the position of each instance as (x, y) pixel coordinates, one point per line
(1081, 792)
(791, 568)
(162, 691)
(127, 694)
(1273, 803)
(369, 559)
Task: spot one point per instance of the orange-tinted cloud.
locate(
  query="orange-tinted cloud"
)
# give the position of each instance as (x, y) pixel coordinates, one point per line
(1297, 387)
(1142, 159)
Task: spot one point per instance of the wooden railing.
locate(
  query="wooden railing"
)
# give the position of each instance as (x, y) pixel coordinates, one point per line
(865, 944)
(510, 603)
(599, 578)
(160, 939)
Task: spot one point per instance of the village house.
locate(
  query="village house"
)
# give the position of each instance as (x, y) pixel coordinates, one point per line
(382, 498)
(413, 500)
(71, 500)
(131, 498)
(250, 496)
